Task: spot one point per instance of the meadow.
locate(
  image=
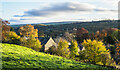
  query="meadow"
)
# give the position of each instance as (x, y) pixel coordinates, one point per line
(15, 56)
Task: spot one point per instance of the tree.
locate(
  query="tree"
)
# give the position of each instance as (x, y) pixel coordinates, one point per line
(11, 37)
(28, 30)
(109, 40)
(107, 60)
(73, 49)
(41, 34)
(68, 36)
(105, 33)
(82, 56)
(31, 42)
(63, 48)
(94, 49)
(115, 35)
(92, 36)
(4, 28)
(12, 29)
(117, 52)
(7, 34)
(100, 35)
(111, 30)
(82, 34)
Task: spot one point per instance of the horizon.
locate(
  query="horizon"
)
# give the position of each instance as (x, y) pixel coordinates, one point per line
(67, 22)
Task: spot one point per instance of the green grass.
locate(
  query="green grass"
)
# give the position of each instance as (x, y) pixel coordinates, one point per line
(15, 56)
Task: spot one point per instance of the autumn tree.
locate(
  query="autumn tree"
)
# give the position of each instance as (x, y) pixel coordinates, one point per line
(106, 60)
(112, 35)
(6, 32)
(31, 42)
(117, 55)
(12, 37)
(63, 48)
(73, 49)
(4, 25)
(110, 30)
(100, 35)
(28, 30)
(82, 34)
(94, 49)
(105, 35)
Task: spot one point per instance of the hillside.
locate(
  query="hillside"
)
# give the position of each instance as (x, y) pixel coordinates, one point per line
(14, 56)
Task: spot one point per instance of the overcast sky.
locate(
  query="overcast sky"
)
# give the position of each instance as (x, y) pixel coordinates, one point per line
(41, 11)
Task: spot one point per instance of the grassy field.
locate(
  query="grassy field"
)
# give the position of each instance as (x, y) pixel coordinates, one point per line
(15, 56)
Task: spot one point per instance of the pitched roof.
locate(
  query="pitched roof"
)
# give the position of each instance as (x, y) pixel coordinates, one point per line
(44, 40)
(80, 46)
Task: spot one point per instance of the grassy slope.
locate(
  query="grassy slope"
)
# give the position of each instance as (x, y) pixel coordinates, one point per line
(15, 56)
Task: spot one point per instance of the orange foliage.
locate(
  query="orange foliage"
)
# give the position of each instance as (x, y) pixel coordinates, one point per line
(28, 30)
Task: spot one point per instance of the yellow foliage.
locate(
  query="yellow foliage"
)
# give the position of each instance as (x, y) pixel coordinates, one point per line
(73, 49)
(11, 37)
(94, 49)
(63, 49)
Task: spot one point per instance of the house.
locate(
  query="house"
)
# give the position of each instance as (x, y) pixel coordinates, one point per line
(80, 48)
(47, 42)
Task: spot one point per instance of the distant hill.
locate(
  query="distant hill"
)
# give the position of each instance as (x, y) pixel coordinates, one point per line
(59, 28)
(49, 23)
(15, 56)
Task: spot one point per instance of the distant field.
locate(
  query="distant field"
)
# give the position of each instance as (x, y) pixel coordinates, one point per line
(15, 56)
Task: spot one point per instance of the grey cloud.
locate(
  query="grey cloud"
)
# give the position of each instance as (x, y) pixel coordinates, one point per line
(103, 10)
(61, 7)
(55, 8)
(14, 20)
(17, 16)
(25, 18)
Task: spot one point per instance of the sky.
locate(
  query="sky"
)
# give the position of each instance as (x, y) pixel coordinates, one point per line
(43, 11)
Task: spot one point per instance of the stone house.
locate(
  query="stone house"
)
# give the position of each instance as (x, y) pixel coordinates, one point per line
(80, 48)
(47, 42)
